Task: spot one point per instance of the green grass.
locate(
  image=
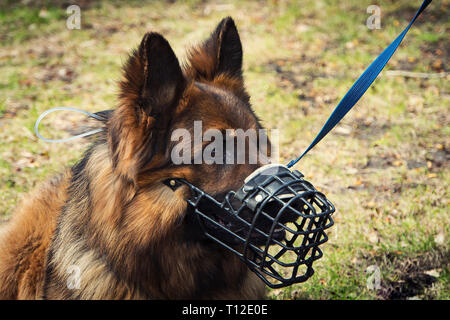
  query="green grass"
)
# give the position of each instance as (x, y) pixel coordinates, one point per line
(299, 60)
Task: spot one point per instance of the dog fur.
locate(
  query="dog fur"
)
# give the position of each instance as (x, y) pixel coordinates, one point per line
(112, 217)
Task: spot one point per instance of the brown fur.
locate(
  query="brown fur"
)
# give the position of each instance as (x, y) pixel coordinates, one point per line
(111, 215)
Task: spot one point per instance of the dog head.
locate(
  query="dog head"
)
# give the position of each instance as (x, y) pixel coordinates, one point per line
(153, 135)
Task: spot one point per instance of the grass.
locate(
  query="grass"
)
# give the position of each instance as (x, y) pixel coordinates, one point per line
(385, 167)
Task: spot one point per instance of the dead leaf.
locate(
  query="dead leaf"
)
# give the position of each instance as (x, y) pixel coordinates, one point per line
(439, 238)
(433, 273)
(398, 163)
(373, 237)
(437, 65)
(371, 205)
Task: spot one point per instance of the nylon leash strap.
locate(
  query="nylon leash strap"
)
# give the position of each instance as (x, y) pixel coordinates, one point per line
(360, 86)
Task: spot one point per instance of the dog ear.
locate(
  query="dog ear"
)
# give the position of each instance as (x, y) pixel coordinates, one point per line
(151, 88)
(152, 76)
(163, 79)
(220, 53)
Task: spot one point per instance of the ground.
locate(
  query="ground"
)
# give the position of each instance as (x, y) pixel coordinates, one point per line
(385, 167)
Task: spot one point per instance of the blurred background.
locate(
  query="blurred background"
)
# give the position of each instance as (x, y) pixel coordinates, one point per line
(385, 167)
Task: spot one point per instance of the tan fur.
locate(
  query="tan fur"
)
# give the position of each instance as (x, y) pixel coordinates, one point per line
(26, 238)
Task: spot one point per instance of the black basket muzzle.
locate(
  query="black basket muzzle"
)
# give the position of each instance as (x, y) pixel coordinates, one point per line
(275, 223)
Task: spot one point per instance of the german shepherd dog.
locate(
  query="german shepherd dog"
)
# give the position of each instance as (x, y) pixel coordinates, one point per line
(111, 218)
